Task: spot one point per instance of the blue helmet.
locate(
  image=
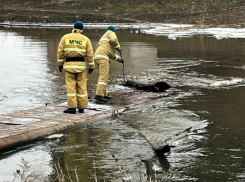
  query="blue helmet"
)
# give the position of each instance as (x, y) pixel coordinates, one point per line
(78, 25)
(112, 28)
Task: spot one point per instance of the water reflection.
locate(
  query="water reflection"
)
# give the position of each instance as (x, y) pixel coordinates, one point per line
(213, 150)
(35, 160)
(24, 65)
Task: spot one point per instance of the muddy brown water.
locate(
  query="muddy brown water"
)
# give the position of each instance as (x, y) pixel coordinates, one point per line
(111, 149)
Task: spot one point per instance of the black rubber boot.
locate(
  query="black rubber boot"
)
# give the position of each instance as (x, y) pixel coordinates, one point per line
(70, 111)
(107, 97)
(100, 98)
(81, 110)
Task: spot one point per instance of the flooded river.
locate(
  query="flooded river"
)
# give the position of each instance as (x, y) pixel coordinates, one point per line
(200, 69)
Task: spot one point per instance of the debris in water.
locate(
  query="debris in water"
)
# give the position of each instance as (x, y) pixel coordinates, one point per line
(233, 81)
(154, 87)
(55, 136)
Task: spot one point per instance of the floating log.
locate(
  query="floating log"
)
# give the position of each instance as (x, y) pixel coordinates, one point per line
(154, 87)
(159, 150)
(22, 127)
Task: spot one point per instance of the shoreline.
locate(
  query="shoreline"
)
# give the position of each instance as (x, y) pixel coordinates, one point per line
(172, 31)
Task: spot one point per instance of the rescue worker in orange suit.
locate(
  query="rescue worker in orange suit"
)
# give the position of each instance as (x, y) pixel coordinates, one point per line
(106, 48)
(74, 49)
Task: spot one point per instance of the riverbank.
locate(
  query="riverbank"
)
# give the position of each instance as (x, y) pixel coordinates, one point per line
(172, 31)
(208, 13)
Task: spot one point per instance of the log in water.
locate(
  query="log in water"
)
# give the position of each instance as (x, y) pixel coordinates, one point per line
(154, 87)
(159, 150)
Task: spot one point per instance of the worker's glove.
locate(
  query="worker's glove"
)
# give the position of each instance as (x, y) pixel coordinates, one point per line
(120, 51)
(121, 61)
(61, 69)
(90, 71)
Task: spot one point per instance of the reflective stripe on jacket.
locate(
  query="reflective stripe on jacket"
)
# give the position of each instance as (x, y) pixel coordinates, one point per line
(75, 45)
(107, 46)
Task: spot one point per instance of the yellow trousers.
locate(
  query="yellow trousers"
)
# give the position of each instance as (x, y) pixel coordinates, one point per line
(104, 68)
(76, 86)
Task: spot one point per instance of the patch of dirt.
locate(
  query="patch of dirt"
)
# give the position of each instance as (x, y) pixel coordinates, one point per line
(223, 13)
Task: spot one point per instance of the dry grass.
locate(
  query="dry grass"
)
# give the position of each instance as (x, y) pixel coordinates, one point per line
(26, 174)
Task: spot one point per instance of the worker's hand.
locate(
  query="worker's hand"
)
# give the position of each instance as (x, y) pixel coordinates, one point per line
(60, 68)
(90, 71)
(121, 61)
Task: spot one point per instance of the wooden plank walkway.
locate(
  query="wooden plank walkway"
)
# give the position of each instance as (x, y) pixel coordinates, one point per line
(25, 126)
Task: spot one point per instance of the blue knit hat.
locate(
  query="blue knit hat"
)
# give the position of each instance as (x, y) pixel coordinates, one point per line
(78, 25)
(112, 28)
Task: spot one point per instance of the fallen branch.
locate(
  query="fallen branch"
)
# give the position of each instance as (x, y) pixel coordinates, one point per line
(177, 134)
(159, 150)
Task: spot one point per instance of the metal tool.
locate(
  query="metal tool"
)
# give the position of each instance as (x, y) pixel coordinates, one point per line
(122, 68)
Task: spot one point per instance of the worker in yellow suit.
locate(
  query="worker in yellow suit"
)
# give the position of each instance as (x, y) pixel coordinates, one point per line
(74, 49)
(106, 48)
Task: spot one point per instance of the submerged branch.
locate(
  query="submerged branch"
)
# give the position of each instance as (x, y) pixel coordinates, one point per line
(159, 150)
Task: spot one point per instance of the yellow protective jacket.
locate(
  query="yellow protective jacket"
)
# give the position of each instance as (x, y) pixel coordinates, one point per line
(75, 45)
(107, 46)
